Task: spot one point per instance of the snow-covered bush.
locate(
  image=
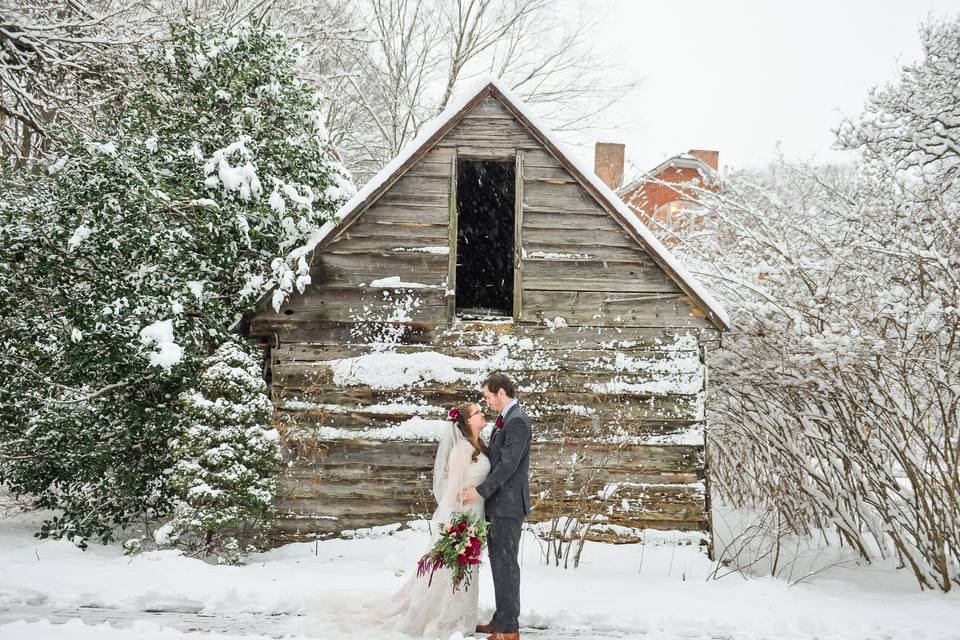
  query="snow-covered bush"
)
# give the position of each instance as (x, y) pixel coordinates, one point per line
(225, 460)
(835, 400)
(130, 257)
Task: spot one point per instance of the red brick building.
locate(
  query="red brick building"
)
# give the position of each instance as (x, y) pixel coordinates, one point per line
(662, 197)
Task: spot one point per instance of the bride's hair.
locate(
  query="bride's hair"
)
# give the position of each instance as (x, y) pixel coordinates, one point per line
(460, 415)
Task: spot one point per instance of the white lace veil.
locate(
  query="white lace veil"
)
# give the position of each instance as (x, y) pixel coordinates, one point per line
(450, 437)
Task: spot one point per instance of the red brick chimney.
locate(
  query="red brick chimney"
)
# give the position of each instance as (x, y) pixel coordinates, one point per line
(708, 157)
(608, 163)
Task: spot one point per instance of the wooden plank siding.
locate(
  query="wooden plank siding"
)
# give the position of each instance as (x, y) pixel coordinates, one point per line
(662, 483)
(578, 378)
(377, 483)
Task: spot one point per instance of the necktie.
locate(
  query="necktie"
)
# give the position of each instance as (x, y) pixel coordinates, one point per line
(499, 423)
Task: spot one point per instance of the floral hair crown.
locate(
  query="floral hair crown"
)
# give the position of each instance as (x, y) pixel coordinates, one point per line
(454, 414)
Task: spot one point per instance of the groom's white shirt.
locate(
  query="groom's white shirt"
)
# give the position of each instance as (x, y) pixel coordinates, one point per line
(503, 414)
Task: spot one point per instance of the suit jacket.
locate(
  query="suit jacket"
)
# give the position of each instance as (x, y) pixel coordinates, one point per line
(506, 490)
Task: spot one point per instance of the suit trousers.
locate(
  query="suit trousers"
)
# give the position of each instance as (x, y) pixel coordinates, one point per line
(503, 539)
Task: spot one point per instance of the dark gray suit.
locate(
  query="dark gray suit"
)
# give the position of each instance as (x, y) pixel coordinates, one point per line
(506, 492)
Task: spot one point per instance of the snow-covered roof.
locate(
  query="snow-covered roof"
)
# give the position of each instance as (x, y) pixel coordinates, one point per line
(459, 106)
(681, 160)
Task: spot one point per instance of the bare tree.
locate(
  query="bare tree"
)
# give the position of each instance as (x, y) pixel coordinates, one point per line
(836, 400)
(911, 125)
(836, 409)
(386, 66)
(384, 87)
(582, 492)
(59, 60)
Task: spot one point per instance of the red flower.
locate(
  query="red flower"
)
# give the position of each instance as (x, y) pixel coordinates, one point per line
(455, 542)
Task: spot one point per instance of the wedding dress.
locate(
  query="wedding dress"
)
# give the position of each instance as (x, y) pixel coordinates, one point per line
(438, 611)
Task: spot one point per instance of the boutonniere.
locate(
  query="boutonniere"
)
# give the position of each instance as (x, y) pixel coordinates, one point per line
(498, 425)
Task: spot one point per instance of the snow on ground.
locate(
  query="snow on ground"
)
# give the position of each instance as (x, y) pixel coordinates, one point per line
(654, 591)
(76, 629)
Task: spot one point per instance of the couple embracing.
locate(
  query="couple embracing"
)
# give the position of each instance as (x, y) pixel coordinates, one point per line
(490, 483)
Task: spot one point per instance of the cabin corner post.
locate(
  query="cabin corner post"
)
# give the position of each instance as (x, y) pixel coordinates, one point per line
(451, 292)
(708, 503)
(518, 239)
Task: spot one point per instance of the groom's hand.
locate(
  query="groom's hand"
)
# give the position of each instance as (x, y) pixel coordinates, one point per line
(470, 494)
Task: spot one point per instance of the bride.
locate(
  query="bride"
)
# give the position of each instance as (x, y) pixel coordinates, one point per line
(438, 611)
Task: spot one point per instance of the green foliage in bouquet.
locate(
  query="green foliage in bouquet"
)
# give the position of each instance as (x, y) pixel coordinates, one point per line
(459, 548)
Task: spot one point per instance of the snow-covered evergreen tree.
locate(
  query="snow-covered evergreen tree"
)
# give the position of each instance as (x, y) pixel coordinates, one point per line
(127, 261)
(225, 459)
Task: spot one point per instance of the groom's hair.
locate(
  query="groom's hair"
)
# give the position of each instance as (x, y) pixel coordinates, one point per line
(497, 381)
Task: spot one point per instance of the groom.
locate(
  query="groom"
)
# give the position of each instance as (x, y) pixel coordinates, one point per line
(507, 493)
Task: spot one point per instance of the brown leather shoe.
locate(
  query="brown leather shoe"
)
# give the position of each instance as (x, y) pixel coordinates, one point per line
(505, 636)
(486, 628)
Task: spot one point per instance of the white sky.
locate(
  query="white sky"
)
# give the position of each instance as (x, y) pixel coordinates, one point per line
(740, 76)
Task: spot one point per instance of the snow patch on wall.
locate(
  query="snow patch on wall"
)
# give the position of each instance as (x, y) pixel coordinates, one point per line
(695, 435)
(394, 282)
(687, 386)
(557, 323)
(674, 365)
(545, 255)
(440, 251)
(416, 428)
(375, 409)
(388, 370)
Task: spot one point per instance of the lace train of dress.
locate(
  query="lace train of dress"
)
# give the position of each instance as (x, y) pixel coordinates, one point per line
(438, 611)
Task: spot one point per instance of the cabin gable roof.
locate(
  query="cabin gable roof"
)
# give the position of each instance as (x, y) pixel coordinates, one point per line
(453, 115)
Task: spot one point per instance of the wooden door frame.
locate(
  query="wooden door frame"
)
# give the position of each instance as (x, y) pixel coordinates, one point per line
(518, 237)
(451, 292)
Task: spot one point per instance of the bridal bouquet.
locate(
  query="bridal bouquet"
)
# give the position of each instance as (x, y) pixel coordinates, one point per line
(458, 549)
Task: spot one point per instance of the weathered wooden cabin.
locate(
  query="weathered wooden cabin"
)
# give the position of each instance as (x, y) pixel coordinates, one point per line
(482, 247)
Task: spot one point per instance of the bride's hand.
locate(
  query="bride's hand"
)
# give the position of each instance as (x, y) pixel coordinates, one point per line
(470, 494)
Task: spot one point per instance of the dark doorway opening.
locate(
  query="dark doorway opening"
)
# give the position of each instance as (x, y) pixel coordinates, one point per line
(485, 233)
